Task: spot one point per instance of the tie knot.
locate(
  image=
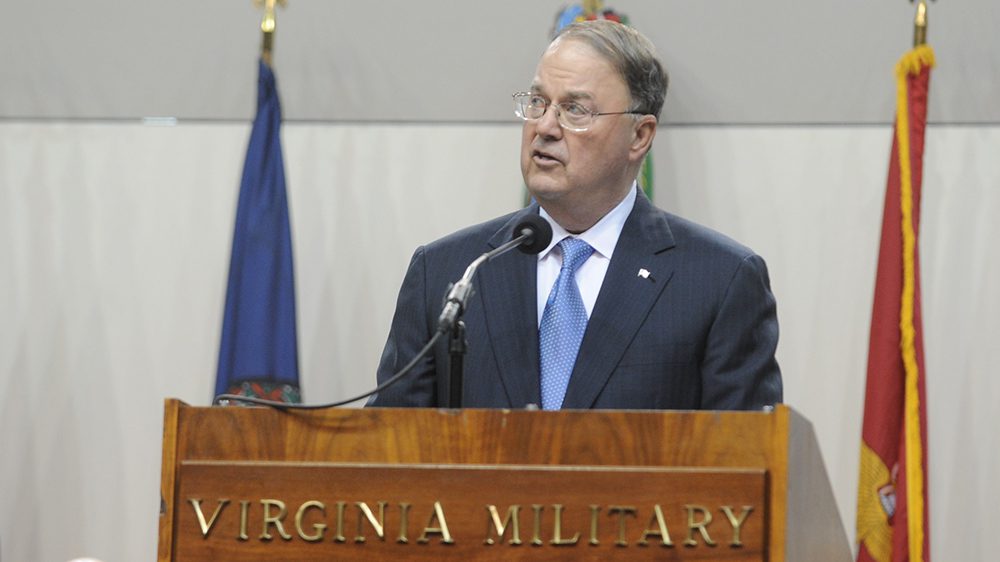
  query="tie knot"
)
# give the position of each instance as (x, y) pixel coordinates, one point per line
(575, 251)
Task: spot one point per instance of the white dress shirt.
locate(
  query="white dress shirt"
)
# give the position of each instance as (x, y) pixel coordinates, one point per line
(602, 237)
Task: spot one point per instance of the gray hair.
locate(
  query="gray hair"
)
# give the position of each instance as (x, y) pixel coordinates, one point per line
(632, 55)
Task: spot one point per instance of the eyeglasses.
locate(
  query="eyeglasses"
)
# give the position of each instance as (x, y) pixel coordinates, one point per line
(571, 115)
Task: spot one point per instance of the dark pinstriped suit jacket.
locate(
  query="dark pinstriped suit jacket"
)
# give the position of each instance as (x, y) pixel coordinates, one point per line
(698, 333)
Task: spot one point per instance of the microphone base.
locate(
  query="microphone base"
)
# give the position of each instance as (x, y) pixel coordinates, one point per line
(457, 346)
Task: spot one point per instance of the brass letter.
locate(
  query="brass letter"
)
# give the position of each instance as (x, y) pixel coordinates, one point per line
(622, 511)
(594, 510)
(404, 522)
(536, 526)
(442, 530)
(364, 512)
(702, 525)
(244, 515)
(737, 523)
(557, 539)
(275, 520)
(320, 528)
(339, 536)
(660, 530)
(206, 527)
(493, 524)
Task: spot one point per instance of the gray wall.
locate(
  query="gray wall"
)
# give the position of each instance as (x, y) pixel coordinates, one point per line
(732, 61)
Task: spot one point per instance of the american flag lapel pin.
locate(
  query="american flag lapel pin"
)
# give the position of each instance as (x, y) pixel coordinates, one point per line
(644, 273)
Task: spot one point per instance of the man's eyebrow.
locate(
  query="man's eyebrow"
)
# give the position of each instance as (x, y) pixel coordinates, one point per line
(577, 95)
(570, 96)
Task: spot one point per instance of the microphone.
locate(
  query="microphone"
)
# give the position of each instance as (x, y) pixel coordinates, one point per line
(532, 235)
(537, 234)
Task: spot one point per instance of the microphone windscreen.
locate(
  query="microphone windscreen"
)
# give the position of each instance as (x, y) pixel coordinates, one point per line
(539, 233)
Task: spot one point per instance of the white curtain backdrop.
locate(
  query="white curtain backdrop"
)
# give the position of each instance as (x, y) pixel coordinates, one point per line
(114, 249)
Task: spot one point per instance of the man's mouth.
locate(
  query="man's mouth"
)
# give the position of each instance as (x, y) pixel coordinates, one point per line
(543, 157)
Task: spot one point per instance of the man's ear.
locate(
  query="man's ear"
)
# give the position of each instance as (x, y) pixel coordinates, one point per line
(642, 138)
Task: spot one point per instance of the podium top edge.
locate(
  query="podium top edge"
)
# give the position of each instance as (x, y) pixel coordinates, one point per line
(776, 409)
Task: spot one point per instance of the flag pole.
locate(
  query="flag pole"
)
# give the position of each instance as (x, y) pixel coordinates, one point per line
(920, 24)
(592, 7)
(267, 25)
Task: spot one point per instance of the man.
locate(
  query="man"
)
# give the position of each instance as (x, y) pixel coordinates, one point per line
(649, 311)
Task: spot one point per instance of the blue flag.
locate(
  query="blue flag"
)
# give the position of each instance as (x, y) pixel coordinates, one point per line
(258, 355)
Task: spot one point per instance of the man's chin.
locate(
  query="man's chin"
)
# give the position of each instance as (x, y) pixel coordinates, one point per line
(546, 191)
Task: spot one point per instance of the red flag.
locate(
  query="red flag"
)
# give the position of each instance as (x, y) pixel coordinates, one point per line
(892, 518)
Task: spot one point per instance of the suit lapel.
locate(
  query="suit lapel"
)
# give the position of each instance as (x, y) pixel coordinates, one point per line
(509, 295)
(624, 301)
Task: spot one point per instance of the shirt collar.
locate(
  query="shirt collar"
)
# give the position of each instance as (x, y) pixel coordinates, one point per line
(603, 236)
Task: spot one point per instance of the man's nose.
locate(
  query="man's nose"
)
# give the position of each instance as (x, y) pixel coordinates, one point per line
(548, 124)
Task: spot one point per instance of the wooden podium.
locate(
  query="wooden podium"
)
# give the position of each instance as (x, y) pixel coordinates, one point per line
(424, 484)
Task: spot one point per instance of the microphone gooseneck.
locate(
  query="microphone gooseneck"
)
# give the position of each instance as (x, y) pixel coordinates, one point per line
(531, 235)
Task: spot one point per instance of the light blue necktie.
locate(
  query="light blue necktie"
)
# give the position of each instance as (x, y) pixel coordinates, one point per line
(563, 324)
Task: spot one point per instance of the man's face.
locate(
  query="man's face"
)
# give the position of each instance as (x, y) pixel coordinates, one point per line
(578, 173)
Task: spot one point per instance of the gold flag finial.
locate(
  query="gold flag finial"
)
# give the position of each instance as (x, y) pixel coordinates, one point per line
(592, 7)
(267, 25)
(920, 24)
